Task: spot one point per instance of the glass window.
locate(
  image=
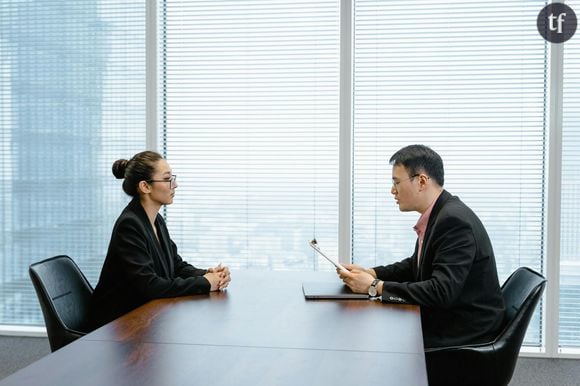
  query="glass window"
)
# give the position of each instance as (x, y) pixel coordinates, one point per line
(470, 83)
(249, 120)
(72, 100)
(250, 123)
(570, 203)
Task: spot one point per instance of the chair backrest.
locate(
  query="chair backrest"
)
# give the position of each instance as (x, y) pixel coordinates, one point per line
(520, 286)
(522, 292)
(491, 363)
(64, 294)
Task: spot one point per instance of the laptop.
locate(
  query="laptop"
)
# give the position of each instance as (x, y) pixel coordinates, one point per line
(329, 290)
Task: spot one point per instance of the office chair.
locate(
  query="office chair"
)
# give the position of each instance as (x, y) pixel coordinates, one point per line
(64, 294)
(491, 363)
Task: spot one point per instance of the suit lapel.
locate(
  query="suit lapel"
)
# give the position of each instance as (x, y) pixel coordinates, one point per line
(163, 245)
(441, 200)
(159, 254)
(416, 268)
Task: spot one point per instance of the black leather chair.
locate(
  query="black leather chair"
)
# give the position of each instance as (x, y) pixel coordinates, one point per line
(492, 363)
(64, 294)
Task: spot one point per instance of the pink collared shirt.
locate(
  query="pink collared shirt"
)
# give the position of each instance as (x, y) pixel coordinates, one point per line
(421, 227)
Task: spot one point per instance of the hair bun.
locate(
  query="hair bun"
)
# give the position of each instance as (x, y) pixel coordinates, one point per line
(119, 167)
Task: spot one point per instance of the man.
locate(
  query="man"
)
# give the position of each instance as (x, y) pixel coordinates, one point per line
(452, 273)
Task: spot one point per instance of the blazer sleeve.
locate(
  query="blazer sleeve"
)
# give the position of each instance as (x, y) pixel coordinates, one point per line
(182, 268)
(453, 249)
(399, 272)
(137, 259)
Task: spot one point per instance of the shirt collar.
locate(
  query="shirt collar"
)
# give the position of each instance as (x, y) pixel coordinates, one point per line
(421, 225)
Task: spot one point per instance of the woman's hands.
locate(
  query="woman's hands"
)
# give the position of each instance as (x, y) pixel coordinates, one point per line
(218, 277)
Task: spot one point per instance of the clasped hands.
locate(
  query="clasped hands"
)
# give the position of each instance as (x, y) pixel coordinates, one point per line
(218, 277)
(357, 278)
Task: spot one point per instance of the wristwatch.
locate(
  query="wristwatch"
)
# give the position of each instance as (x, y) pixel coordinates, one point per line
(373, 288)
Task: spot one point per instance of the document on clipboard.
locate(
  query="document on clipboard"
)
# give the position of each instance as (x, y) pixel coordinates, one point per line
(315, 246)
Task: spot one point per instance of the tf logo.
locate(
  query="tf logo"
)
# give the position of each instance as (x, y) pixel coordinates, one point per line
(557, 22)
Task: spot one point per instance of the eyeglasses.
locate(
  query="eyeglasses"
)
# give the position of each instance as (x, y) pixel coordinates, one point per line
(396, 183)
(171, 180)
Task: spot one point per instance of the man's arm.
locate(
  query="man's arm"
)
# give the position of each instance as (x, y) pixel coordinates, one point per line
(401, 271)
(453, 249)
(359, 279)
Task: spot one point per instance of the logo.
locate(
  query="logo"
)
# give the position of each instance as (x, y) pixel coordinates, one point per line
(557, 23)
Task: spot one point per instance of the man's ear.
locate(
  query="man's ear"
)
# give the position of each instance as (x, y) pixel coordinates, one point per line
(423, 178)
(144, 187)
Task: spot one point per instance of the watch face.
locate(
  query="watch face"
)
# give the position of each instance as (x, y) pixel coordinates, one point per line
(373, 288)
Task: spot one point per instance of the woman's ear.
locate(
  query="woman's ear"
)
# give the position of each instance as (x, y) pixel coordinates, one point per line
(144, 187)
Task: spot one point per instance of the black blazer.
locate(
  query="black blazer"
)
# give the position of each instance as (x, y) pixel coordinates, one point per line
(456, 283)
(138, 268)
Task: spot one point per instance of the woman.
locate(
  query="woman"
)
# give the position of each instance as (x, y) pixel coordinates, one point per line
(142, 262)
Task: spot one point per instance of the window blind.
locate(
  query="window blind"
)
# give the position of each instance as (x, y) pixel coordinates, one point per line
(569, 332)
(250, 99)
(467, 79)
(72, 100)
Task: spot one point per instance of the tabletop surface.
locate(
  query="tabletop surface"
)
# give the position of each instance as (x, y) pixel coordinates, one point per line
(260, 331)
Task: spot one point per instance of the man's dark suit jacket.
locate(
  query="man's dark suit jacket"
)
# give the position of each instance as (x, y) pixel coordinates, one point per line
(138, 268)
(456, 282)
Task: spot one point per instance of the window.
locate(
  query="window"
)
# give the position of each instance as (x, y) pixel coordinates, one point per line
(570, 194)
(250, 125)
(72, 100)
(473, 94)
(249, 120)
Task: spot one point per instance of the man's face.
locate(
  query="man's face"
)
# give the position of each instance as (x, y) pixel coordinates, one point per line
(404, 189)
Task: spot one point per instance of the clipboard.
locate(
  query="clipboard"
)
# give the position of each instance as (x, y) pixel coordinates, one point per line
(315, 246)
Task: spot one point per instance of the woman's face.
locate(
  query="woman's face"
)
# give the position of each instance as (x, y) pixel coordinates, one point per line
(163, 183)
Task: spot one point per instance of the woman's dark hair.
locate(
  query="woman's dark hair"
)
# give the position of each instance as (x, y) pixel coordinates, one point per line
(420, 158)
(139, 168)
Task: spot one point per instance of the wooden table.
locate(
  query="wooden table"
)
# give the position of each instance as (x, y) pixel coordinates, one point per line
(261, 331)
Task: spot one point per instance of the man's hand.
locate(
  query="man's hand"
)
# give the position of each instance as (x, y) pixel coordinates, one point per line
(357, 278)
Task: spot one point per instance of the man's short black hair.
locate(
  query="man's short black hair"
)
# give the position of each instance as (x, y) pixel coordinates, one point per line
(420, 159)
